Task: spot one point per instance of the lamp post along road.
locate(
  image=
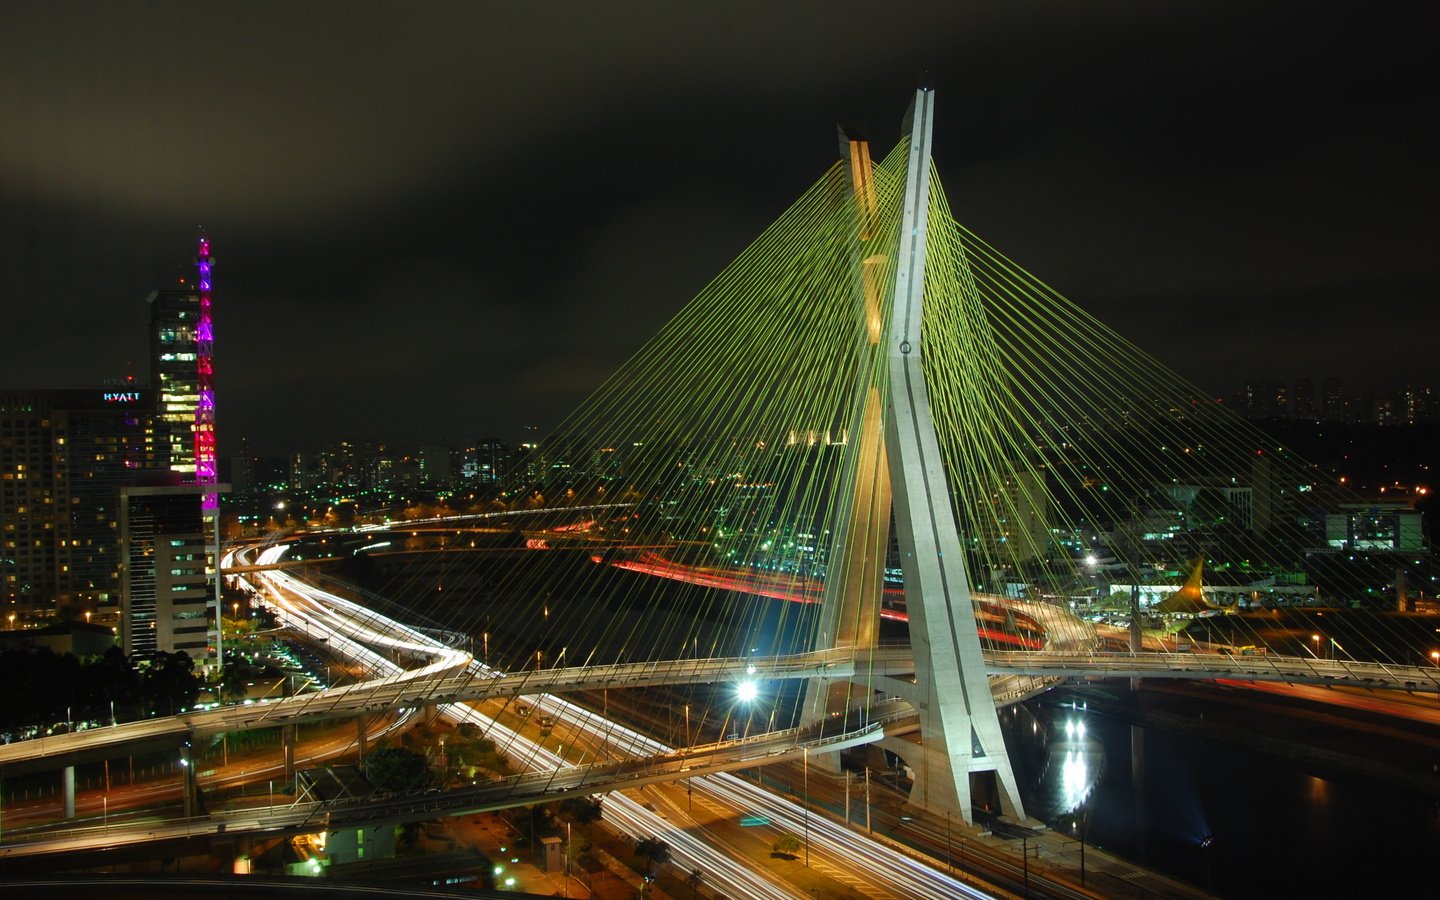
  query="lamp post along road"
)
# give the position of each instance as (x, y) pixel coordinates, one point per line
(805, 764)
(1025, 861)
(868, 829)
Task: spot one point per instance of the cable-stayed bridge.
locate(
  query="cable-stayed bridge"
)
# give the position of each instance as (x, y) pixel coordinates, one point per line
(878, 459)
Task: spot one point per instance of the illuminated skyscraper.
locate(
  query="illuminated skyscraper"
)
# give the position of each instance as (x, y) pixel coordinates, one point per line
(64, 455)
(182, 342)
(181, 372)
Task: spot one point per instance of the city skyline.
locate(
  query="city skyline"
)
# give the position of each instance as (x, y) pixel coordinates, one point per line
(465, 239)
(880, 501)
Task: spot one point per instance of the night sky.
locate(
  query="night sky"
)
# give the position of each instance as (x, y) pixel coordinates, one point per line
(435, 222)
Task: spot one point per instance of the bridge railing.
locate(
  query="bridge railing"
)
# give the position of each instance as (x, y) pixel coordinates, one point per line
(1269, 666)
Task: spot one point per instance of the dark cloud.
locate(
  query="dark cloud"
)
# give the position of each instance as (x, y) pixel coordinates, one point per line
(438, 221)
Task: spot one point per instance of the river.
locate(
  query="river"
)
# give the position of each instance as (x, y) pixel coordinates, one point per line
(1276, 826)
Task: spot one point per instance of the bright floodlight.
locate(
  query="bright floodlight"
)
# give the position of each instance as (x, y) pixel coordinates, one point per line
(747, 691)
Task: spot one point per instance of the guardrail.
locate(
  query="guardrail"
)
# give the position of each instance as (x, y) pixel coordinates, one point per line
(515, 790)
(1268, 667)
(474, 683)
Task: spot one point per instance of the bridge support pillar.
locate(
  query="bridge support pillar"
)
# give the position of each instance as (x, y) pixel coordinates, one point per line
(189, 791)
(67, 781)
(287, 746)
(855, 582)
(1137, 638)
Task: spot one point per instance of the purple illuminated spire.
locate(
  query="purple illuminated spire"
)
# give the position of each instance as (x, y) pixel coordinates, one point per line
(206, 471)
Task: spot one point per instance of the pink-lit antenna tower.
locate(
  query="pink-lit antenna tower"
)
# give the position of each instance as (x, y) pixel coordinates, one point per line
(206, 471)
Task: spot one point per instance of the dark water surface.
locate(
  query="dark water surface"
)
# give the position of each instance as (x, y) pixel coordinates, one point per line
(1278, 830)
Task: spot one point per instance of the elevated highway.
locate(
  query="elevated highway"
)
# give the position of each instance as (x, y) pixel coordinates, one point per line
(517, 790)
(455, 678)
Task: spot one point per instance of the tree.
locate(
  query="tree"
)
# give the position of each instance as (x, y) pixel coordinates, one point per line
(542, 823)
(580, 810)
(786, 845)
(234, 681)
(169, 683)
(396, 769)
(654, 852)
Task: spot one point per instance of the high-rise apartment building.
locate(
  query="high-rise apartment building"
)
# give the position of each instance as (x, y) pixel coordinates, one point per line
(1302, 400)
(435, 466)
(1332, 403)
(488, 462)
(243, 466)
(1264, 399)
(168, 598)
(64, 455)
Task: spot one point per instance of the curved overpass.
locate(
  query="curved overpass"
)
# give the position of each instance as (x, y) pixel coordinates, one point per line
(462, 680)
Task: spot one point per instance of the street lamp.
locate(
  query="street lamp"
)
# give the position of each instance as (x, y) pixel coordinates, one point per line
(805, 756)
(1316, 639)
(1435, 655)
(868, 828)
(689, 785)
(1025, 860)
(746, 692)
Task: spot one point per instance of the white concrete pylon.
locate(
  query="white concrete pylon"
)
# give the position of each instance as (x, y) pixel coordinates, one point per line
(958, 721)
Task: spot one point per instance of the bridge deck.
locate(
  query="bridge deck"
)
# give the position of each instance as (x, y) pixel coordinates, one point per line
(516, 790)
(473, 682)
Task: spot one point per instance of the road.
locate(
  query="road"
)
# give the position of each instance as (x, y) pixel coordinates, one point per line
(156, 796)
(865, 860)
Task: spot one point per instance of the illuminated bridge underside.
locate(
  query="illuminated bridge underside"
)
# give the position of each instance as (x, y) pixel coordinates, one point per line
(1009, 671)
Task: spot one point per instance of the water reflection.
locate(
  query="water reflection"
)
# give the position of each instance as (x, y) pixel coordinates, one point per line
(1072, 764)
(1213, 814)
